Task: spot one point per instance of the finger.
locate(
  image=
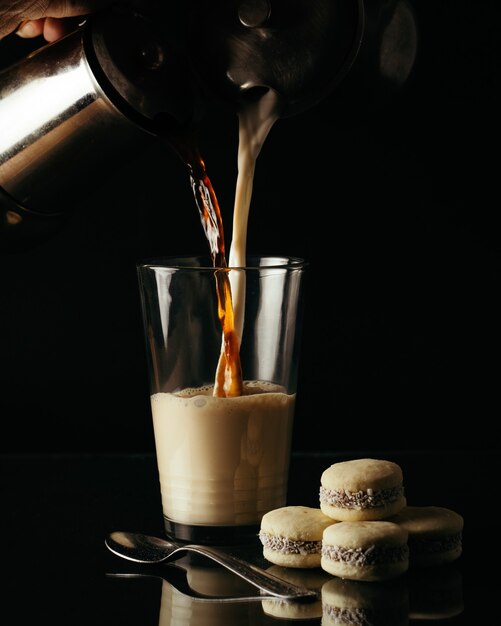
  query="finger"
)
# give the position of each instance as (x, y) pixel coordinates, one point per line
(13, 12)
(30, 28)
(54, 28)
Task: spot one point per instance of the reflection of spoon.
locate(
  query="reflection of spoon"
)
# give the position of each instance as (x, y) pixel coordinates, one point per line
(181, 605)
(145, 549)
(182, 586)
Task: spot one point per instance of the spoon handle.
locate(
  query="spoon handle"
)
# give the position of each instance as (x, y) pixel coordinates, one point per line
(256, 576)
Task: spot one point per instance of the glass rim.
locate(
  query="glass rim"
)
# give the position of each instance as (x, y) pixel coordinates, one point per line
(189, 262)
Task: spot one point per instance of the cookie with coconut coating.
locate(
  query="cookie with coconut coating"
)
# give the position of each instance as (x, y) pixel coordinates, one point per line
(435, 534)
(292, 536)
(362, 489)
(372, 551)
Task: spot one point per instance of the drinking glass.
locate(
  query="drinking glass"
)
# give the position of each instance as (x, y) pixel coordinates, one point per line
(222, 451)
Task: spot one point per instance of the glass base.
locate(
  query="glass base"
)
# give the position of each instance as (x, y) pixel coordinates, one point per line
(210, 535)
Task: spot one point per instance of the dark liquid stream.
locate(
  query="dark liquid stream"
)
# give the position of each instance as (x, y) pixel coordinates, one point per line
(228, 379)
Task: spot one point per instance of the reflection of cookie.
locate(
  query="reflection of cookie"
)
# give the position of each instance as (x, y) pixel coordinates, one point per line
(311, 579)
(435, 534)
(362, 489)
(356, 603)
(292, 536)
(365, 550)
(435, 593)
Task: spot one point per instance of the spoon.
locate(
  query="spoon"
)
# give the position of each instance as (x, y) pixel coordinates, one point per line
(146, 549)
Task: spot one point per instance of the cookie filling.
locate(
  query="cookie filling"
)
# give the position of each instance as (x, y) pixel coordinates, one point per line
(289, 546)
(426, 545)
(363, 616)
(373, 555)
(360, 499)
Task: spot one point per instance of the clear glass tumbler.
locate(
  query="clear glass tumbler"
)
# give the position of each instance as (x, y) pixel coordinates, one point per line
(223, 460)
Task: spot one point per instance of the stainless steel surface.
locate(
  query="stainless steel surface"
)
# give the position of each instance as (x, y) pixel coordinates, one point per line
(77, 109)
(146, 549)
(254, 13)
(59, 132)
(297, 48)
(302, 49)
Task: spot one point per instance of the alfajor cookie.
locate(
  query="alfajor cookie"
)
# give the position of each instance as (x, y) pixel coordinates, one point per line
(355, 603)
(292, 536)
(362, 489)
(435, 534)
(365, 550)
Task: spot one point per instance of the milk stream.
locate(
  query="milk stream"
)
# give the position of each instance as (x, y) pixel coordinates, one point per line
(255, 122)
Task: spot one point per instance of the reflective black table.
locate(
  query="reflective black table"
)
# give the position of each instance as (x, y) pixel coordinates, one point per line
(56, 511)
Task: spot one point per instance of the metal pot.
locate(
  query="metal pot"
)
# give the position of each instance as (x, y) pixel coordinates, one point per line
(78, 108)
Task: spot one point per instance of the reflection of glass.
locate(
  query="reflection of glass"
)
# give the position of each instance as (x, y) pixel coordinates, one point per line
(211, 580)
(179, 609)
(309, 578)
(351, 602)
(435, 593)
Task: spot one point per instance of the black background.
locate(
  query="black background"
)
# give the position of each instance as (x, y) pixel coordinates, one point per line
(396, 208)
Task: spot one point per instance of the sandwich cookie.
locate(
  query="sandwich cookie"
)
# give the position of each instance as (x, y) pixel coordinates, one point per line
(365, 550)
(292, 536)
(362, 489)
(435, 534)
(355, 603)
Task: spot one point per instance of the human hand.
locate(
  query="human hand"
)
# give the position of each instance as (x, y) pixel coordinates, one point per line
(50, 18)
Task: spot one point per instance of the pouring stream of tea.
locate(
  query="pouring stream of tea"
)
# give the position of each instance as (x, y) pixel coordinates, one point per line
(256, 119)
